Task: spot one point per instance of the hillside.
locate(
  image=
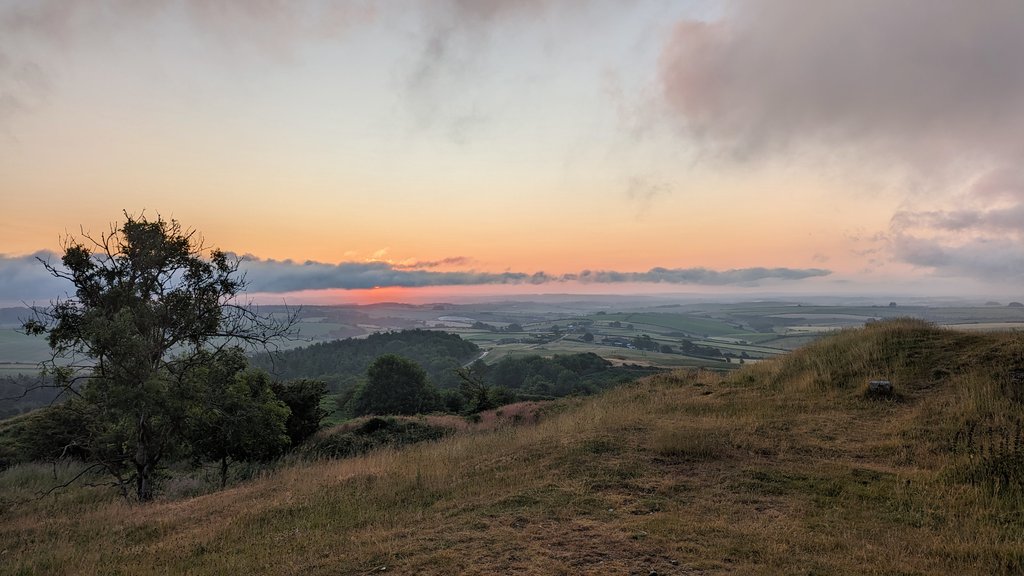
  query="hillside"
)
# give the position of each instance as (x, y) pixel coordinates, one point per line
(342, 362)
(785, 466)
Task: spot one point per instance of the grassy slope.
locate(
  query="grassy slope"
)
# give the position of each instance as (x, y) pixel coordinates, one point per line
(785, 467)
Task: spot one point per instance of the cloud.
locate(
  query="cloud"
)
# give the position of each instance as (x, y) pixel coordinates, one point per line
(266, 23)
(23, 279)
(930, 92)
(920, 80)
(273, 27)
(985, 259)
(289, 276)
(451, 261)
(32, 30)
(701, 276)
(456, 29)
(643, 190)
(445, 81)
(979, 234)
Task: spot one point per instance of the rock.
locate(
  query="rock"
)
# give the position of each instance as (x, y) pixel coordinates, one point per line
(880, 387)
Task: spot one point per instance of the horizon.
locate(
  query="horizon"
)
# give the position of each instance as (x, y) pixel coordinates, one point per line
(421, 299)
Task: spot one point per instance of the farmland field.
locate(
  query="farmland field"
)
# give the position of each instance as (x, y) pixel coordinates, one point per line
(747, 330)
(20, 348)
(616, 355)
(678, 322)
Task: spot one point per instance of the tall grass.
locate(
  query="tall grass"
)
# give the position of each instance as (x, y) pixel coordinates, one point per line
(783, 467)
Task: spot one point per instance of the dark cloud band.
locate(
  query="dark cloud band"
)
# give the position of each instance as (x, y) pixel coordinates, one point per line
(289, 276)
(23, 278)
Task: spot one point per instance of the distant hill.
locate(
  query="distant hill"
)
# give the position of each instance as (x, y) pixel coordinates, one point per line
(787, 466)
(341, 362)
(14, 316)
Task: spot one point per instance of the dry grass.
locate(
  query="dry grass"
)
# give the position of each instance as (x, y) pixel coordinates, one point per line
(784, 467)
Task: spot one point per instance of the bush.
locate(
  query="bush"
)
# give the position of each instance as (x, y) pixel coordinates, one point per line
(303, 397)
(358, 438)
(395, 385)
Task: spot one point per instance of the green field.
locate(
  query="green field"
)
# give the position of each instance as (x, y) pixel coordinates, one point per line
(757, 329)
(615, 354)
(691, 325)
(17, 347)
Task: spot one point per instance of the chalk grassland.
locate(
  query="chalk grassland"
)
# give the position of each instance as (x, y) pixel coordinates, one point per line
(783, 467)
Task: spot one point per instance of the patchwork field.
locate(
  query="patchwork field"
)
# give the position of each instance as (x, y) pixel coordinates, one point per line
(744, 330)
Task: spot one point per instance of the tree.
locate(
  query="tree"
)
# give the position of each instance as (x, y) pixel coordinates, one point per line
(150, 304)
(394, 385)
(303, 397)
(587, 337)
(474, 388)
(237, 416)
(645, 342)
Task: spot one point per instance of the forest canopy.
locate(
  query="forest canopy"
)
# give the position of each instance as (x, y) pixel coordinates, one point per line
(342, 363)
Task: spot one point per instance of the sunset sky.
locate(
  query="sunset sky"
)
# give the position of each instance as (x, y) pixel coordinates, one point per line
(438, 148)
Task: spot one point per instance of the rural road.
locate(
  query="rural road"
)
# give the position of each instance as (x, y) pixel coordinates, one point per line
(480, 357)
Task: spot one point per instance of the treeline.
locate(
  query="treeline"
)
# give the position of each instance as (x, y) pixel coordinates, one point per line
(689, 348)
(513, 327)
(342, 363)
(537, 377)
(223, 412)
(228, 411)
(396, 385)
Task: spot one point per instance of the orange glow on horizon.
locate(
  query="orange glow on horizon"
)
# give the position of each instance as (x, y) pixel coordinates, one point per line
(455, 294)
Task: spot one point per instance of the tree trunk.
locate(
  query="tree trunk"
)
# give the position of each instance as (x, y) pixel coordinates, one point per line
(143, 483)
(223, 472)
(143, 466)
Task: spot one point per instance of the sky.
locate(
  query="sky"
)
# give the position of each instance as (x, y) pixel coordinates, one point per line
(357, 151)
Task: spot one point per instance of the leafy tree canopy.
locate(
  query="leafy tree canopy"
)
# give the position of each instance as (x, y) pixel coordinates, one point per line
(340, 363)
(303, 397)
(235, 415)
(395, 385)
(151, 304)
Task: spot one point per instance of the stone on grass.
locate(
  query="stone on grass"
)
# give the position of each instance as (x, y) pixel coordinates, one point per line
(880, 387)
